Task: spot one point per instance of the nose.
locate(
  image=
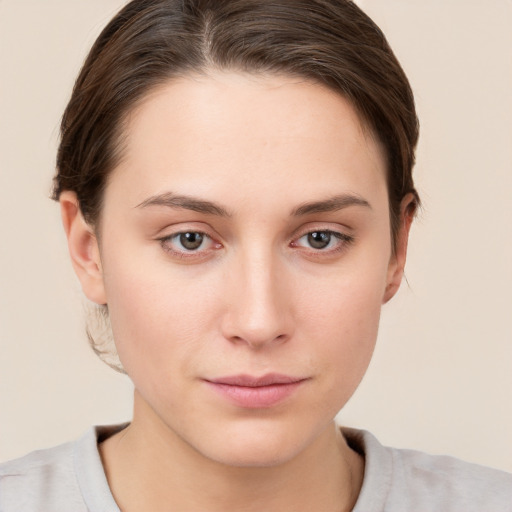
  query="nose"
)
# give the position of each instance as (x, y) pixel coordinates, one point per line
(259, 306)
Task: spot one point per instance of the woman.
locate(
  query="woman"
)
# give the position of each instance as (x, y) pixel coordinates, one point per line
(235, 181)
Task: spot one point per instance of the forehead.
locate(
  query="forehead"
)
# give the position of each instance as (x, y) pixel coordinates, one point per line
(255, 132)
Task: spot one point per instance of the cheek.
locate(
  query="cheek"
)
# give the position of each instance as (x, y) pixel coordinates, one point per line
(159, 318)
(352, 317)
(343, 321)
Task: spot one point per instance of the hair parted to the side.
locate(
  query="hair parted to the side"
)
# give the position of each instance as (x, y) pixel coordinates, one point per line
(331, 42)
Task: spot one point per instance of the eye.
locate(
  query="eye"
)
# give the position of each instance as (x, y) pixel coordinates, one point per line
(190, 241)
(188, 244)
(319, 239)
(323, 240)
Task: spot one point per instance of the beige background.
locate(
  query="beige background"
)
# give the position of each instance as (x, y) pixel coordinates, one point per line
(441, 378)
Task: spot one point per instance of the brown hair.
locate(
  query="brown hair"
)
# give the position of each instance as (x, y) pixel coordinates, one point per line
(148, 42)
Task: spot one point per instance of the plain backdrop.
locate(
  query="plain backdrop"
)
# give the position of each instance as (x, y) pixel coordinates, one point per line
(441, 377)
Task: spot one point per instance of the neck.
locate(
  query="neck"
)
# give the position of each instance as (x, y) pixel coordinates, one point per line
(149, 467)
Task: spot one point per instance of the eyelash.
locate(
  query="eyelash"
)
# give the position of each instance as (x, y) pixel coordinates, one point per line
(343, 240)
(184, 254)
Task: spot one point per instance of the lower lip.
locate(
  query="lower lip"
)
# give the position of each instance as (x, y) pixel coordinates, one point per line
(256, 397)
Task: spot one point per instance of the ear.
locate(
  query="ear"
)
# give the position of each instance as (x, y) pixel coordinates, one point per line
(398, 258)
(83, 248)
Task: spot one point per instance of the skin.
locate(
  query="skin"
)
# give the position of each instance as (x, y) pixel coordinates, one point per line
(254, 298)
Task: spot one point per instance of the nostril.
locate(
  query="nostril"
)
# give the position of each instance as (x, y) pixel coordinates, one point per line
(259, 340)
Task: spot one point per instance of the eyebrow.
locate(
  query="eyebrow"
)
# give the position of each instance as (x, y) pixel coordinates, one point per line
(186, 202)
(332, 204)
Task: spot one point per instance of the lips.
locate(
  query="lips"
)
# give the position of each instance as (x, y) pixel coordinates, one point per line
(252, 392)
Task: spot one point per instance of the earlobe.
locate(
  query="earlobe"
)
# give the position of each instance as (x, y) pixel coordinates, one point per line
(83, 248)
(397, 261)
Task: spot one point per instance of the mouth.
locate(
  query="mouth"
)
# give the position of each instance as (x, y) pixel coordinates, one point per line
(252, 392)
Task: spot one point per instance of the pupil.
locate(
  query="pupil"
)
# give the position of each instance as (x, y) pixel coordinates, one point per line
(191, 241)
(319, 239)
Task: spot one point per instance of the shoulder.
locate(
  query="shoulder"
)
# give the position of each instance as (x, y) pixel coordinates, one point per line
(447, 481)
(68, 477)
(49, 462)
(404, 480)
(40, 481)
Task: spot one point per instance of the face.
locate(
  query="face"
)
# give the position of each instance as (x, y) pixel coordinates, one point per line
(245, 254)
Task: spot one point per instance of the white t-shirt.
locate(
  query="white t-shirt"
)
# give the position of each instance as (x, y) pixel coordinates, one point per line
(70, 478)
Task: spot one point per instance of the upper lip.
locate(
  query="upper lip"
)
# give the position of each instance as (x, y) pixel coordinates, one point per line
(251, 381)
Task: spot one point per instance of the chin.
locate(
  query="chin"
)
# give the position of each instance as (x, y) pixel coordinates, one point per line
(252, 455)
(260, 445)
